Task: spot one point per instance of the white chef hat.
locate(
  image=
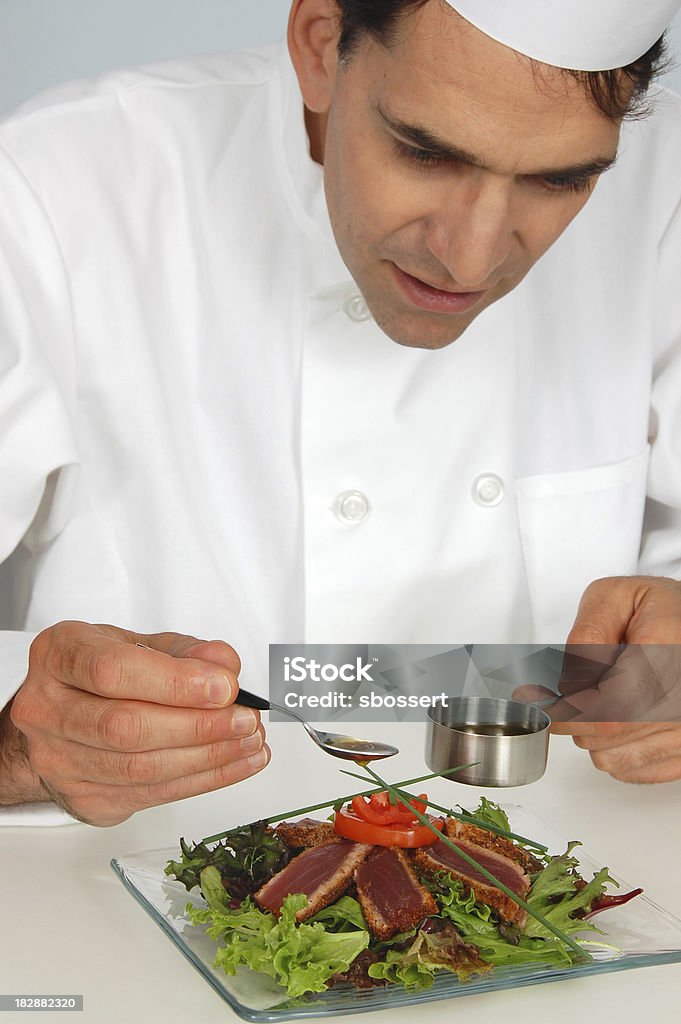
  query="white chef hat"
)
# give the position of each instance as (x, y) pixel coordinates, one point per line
(584, 35)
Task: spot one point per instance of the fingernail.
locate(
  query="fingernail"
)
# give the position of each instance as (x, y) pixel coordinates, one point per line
(219, 690)
(251, 744)
(258, 760)
(244, 721)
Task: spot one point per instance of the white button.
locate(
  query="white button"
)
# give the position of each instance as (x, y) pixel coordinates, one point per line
(356, 308)
(352, 507)
(488, 490)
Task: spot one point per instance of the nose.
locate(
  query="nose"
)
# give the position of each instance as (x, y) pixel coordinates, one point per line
(471, 233)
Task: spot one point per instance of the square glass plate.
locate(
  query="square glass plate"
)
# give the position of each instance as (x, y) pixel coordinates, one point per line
(639, 934)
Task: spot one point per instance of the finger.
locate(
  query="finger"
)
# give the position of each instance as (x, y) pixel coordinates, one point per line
(604, 612)
(529, 693)
(135, 725)
(603, 730)
(558, 710)
(641, 759)
(584, 665)
(75, 762)
(608, 735)
(657, 619)
(636, 609)
(106, 661)
(109, 805)
(204, 782)
(661, 771)
(632, 691)
(216, 652)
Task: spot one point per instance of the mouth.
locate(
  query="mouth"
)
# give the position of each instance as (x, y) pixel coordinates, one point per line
(434, 300)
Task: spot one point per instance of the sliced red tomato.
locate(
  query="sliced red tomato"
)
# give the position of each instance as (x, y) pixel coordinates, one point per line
(379, 811)
(348, 825)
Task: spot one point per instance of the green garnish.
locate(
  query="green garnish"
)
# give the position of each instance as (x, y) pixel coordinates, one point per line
(533, 912)
(245, 860)
(336, 802)
(301, 957)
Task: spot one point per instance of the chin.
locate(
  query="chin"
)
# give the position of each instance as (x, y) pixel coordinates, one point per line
(427, 332)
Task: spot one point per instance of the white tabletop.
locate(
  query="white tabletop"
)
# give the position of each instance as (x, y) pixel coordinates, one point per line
(69, 926)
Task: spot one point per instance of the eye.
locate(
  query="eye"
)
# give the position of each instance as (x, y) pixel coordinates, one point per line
(423, 157)
(568, 184)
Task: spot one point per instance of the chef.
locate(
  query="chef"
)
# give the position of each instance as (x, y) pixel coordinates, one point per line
(377, 340)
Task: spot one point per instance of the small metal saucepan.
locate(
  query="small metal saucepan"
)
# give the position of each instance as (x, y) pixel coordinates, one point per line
(508, 739)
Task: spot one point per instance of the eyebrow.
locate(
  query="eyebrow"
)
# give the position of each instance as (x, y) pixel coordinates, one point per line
(424, 139)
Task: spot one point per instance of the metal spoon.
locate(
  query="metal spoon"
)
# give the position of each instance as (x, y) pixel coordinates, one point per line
(348, 747)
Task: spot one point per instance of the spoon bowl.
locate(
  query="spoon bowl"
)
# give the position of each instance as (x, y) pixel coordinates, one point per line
(349, 748)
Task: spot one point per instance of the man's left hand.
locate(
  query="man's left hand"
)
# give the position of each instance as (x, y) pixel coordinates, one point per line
(621, 678)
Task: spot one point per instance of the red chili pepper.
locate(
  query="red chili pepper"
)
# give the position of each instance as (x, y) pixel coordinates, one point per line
(605, 902)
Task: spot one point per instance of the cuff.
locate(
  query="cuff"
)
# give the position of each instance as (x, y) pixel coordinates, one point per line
(37, 814)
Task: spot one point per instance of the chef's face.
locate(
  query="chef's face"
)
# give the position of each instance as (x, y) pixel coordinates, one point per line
(451, 165)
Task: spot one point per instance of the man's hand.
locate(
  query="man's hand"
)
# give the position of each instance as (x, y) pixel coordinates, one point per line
(623, 703)
(105, 728)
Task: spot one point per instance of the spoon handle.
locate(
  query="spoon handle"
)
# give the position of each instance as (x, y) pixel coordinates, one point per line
(251, 700)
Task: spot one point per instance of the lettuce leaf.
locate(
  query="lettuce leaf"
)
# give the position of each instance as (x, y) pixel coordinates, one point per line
(301, 957)
(342, 916)
(246, 858)
(555, 893)
(491, 813)
(429, 952)
(498, 945)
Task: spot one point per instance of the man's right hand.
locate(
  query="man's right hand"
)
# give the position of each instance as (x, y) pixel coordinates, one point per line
(105, 728)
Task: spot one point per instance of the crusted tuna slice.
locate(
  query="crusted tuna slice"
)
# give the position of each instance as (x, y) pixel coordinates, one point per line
(491, 841)
(322, 873)
(390, 895)
(307, 832)
(441, 857)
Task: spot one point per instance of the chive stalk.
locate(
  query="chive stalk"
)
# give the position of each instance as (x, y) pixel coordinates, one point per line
(336, 800)
(583, 955)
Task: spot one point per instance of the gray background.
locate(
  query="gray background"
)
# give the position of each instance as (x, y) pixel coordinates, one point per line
(43, 42)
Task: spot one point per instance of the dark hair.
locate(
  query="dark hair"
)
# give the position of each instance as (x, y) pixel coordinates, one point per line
(619, 93)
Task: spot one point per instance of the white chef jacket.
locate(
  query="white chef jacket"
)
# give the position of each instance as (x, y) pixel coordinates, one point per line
(202, 429)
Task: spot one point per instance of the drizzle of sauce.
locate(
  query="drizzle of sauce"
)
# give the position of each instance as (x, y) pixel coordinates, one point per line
(346, 746)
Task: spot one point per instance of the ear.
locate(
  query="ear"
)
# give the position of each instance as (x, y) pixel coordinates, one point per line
(313, 32)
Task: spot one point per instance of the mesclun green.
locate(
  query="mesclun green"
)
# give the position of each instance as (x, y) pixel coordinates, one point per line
(464, 937)
(246, 859)
(499, 945)
(301, 957)
(582, 955)
(560, 895)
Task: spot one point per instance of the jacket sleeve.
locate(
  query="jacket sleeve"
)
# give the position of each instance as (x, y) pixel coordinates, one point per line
(38, 452)
(661, 543)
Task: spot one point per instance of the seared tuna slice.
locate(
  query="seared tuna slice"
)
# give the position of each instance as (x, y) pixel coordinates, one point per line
(299, 835)
(491, 841)
(441, 857)
(390, 895)
(322, 873)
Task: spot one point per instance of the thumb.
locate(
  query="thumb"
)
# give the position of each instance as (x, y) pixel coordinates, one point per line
(605, 611)
(595, 641)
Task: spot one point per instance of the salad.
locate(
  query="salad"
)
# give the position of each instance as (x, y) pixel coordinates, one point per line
(390, 890)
